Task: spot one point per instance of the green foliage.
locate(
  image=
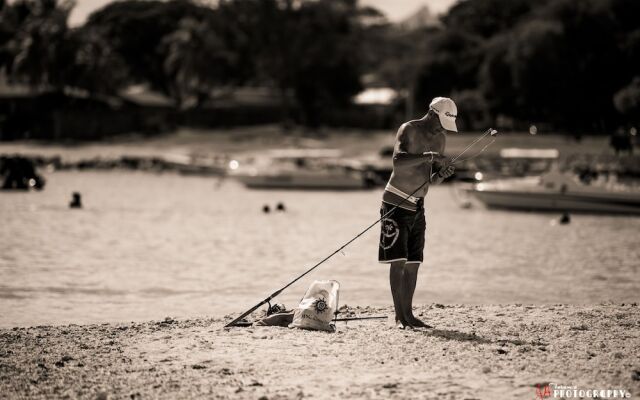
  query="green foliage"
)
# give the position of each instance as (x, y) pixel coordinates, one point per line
(307, 50)
(196, 61)
(38, 48)
(559, 62)
(487, 18)
(35, 46)
(572, 64)
(627, 100)
(450, 57)
(325, 72)
(93, 63)
(476, 114)
(148, 34)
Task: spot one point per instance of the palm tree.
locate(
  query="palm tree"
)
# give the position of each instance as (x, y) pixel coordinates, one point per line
(38, 46)
(196, 62)
(94, 66)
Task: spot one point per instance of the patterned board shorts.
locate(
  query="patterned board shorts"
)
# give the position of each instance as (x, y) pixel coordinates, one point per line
(402, 234)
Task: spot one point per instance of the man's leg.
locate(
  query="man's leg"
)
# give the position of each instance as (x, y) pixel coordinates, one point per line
(396, 280)
(410, 277)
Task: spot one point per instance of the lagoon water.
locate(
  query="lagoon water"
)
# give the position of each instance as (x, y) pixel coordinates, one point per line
(148, 246)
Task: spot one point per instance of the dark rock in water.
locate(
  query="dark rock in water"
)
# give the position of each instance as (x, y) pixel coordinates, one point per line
(19, 174)
(76, 201)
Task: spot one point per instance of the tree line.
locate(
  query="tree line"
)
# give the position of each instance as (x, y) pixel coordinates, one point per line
(571, 64)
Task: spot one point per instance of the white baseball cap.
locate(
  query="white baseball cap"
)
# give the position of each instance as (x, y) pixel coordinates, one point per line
(447, 112)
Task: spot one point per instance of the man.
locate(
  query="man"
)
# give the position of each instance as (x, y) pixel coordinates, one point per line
(417, 158)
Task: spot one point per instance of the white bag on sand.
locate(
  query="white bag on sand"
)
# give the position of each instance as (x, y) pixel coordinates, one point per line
(317, 307)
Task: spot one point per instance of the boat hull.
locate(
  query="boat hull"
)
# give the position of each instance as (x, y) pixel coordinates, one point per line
(293, 182)
(615, 203)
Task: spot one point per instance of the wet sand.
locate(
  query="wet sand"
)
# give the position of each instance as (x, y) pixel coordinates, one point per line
(474, 352)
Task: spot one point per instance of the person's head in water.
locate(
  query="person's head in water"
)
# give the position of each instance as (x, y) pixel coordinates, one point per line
(442, 115)
(76, 201)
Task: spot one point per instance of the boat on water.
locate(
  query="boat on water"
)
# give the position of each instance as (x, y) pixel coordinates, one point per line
(556, 191)
(194, 164)
(308, 169)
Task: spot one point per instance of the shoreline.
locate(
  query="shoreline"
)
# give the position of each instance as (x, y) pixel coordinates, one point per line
(488, 351)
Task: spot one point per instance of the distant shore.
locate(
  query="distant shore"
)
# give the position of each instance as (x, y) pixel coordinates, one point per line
(480, 352)
(353, 142)
(207, 152)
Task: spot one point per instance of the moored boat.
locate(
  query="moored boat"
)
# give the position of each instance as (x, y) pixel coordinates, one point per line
(556, 191)
(318, 169)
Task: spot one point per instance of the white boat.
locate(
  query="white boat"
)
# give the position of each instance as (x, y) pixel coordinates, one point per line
(194, 164)
(556, 191)
(315, 169)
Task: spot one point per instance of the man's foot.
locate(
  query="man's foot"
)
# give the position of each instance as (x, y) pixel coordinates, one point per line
(404, 327)
(416, 323)
(402, 324)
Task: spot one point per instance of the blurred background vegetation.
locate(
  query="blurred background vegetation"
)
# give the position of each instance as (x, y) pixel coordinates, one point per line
(569, 66)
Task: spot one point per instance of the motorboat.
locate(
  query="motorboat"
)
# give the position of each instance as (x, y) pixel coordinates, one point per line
(194, 164)
(319, 169)
(556, 191)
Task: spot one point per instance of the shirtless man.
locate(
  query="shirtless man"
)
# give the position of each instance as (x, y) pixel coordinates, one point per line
(418, 153)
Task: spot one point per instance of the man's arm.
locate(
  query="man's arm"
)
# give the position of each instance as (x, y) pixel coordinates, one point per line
(444, 171)
(442, 166)
(401, 155)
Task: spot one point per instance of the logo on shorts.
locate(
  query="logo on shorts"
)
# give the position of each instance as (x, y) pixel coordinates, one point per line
(390, 233)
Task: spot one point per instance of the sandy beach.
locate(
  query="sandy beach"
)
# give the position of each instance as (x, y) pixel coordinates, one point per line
(474, 352)
(157, 262)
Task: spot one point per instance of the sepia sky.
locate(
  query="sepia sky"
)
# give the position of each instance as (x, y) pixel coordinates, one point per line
(394, 9)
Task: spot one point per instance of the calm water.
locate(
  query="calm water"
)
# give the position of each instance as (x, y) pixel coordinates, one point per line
(148, 246)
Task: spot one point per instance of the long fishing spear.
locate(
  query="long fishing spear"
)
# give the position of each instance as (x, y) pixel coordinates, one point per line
(489, 131)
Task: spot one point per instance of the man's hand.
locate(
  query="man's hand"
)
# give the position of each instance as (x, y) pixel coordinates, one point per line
(446, 171)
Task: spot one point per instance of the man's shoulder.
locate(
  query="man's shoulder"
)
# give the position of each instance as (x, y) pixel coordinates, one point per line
(411, 124)
(407, 129)
(415, 129)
